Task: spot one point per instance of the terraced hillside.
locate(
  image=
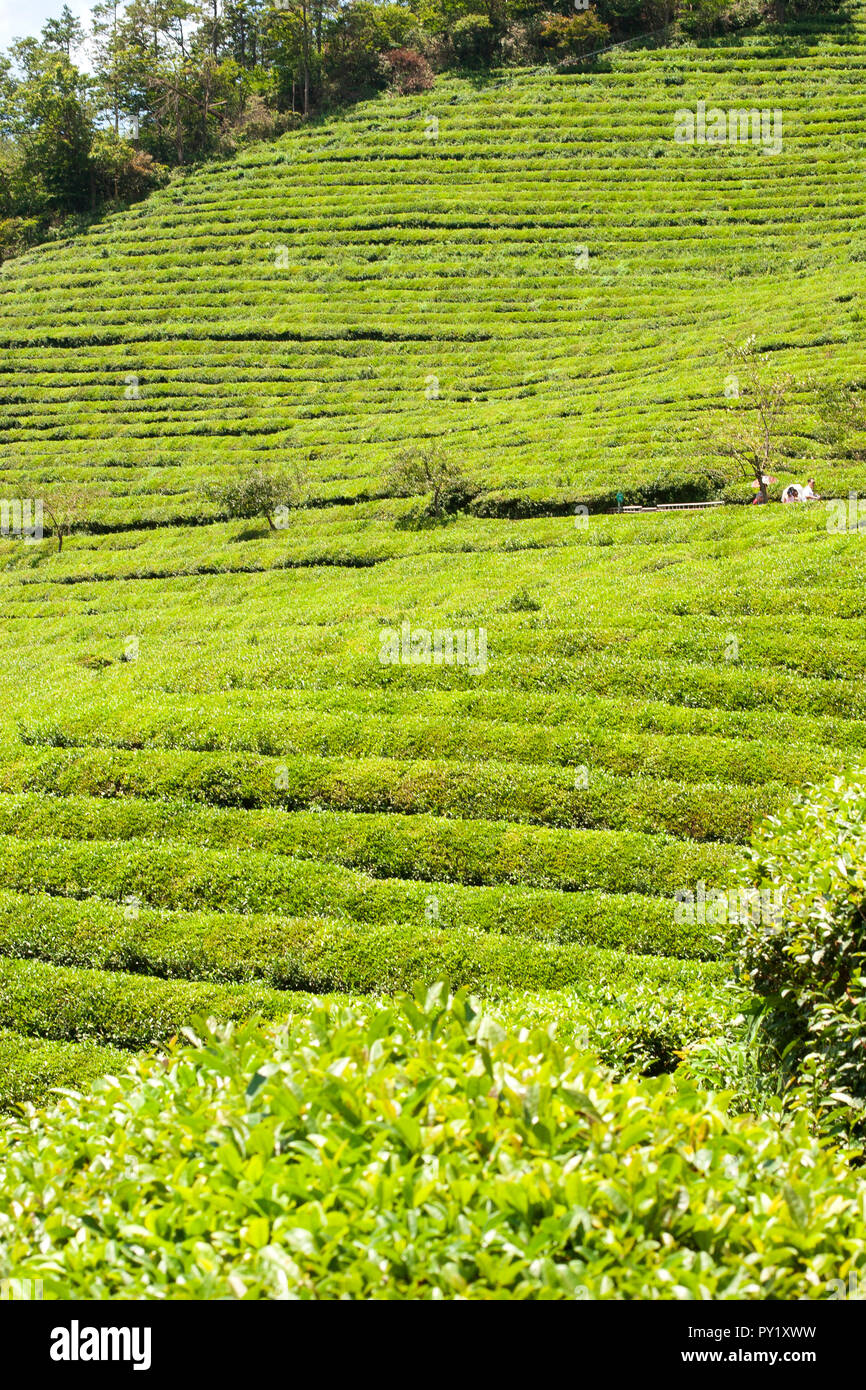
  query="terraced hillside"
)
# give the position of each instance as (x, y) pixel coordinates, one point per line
(256, 804)
(530, 269)
(214, 794)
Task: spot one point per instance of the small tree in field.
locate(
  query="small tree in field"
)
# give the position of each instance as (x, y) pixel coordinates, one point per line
(66, 505)
(419, 471)
(269, 493)
(754, 425)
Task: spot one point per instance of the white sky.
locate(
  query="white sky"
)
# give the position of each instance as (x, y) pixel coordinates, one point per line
(19, 18)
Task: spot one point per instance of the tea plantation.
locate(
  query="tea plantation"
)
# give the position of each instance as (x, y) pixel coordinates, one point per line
(217, 800)
(529, 268)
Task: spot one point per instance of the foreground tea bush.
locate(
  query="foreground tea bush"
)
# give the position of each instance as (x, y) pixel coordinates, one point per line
(415, 1150)
(809, 965)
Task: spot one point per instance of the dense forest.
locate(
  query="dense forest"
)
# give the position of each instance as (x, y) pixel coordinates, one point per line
(100, 115)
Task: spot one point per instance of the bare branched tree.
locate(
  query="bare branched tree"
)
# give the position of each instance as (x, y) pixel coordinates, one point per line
(755, 421)
(66, 505)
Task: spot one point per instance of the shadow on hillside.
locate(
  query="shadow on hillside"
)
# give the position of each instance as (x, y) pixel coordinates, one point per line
(419, 518)
(481, 78)
(252, 533)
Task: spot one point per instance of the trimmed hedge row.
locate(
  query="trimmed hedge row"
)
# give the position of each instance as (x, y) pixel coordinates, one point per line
(176, 875)
(522, 793)
(604, 673)
(696, 485)
(205, 728)
(32, 1067)
(426, 848)
(316, 954)
(371, 723)
(627, 1009)
(124, 1011)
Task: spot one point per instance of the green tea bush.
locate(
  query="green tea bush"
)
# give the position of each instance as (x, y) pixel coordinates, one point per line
(520, 792)
(809, 965)
(678, 744)
(285, 953)
(32, 1067)
(429, 849)
(113, 1009)
(417, 1150)
(178, 875)
(633, 1018)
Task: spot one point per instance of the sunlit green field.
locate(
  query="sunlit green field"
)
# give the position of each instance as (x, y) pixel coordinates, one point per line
(214, 796)
(213, 791)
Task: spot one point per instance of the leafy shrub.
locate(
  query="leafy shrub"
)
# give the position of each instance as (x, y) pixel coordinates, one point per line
(407, 71)
(17, 233)
(574, 36)
(415, 1150)
(522, 602)
(257, 121)
(809, 965)
(123, 172)
(635, 1021)
(358, 36)
(702, 17)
